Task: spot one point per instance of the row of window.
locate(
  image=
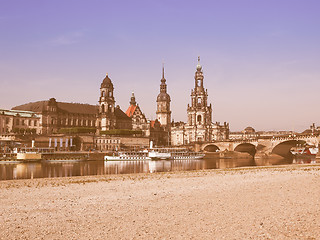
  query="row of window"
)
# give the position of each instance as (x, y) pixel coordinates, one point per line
(21, 122)
(109, 147)
(26, 122)
(74, 122)
(115, 141)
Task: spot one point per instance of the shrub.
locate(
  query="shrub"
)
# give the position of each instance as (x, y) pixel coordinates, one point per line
(126, 132)
(77, 130)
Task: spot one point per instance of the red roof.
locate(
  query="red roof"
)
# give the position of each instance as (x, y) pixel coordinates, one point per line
(131, 110)
(153, 122)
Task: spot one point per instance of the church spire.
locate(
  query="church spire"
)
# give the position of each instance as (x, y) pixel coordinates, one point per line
(163, 80)
(163, 85)
(198, 65)
(198, 75)
(163, 105)
(133, 100)
(163, 71)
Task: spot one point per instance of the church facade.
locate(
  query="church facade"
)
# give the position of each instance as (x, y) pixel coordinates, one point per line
(104, 119)
(199, 127)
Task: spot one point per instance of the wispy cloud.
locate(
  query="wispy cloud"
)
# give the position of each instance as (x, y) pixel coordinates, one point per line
(67, 39)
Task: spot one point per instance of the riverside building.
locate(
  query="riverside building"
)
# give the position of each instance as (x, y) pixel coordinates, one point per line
(15, 121)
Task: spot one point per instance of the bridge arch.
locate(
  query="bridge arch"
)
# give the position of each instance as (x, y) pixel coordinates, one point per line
(211, 148)
(283, 148)
(246, 147)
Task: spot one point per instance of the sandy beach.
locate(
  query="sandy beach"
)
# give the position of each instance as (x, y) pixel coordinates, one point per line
(244, 203)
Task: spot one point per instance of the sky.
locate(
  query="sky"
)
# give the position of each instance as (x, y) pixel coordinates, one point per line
(261, 59)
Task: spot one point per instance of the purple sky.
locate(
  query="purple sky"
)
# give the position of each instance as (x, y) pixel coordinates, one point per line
(261, 59)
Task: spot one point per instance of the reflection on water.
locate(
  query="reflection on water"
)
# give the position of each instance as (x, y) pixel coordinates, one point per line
(83, 168)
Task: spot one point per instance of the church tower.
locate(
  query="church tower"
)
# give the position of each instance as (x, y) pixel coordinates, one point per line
(199, 113)
(163, 105)
(133, 100)
(107, 105)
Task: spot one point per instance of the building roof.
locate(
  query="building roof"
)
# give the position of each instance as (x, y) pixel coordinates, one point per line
(310, 131)
(249, 129)
(163, 97)
(106, 83)
(120, 114)
(18, 113)
(153, 123)
(78, 108)
(75, 108)
(39, 106)
(130, 110)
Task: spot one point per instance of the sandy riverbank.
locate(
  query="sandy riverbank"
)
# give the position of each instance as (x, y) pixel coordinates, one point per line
(244, 203)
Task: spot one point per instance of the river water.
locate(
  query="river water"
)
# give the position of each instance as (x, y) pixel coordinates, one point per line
(46, 169)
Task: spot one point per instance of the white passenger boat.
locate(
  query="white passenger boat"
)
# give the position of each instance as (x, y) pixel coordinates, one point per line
(156, 154)
(27, 154)
(127, 156)
(159, 154)
(173, 154)
(186, 155)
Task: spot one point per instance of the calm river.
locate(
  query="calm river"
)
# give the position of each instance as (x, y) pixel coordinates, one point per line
(47, 169)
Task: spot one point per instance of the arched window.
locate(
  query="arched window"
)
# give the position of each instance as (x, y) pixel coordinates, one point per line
(110, 94)
(199, 118)
(103, 93)
(199, 100)
(102, 108)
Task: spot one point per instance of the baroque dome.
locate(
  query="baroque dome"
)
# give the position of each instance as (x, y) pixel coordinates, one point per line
(106, 83)
(163, 97)
(249, 130)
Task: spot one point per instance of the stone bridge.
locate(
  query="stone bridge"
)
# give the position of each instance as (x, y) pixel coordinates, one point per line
(279, 145)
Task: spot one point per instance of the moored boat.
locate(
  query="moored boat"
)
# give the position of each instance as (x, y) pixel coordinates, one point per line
(187, 155)
(174, 154)
(127, 156)
(28, 154)
(159, 154)
(155, 154)
(304, 153)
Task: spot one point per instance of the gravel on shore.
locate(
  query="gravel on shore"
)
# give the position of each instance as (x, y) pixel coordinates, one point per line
(278, 202)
